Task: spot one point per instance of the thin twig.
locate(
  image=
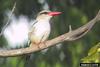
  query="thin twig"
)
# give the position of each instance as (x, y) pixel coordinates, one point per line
(8, 21)
(70, 28)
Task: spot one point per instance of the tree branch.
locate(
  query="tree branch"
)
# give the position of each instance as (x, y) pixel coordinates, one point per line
(70, 36)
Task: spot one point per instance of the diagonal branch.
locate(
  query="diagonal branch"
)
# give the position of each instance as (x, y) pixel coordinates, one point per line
(70, 36)
(8, 21)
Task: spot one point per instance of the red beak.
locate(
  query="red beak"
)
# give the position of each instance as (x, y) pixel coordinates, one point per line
(54, 13)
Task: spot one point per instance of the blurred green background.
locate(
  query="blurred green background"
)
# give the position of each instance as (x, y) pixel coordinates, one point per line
(67, 54)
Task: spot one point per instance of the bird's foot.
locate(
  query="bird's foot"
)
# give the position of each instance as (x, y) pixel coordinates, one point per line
(45, 44)
(39, 46)
(42, 44)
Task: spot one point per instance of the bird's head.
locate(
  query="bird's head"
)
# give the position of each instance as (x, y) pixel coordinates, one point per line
(46, 14)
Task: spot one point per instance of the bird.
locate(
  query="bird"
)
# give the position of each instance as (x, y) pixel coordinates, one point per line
(41, 28)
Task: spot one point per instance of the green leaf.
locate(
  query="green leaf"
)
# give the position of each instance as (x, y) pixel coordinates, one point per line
(93, 55)
(94, 49)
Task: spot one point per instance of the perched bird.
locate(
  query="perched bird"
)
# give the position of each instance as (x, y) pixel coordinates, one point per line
(40, 30)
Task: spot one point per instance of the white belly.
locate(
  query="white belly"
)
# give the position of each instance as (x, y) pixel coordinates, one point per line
(41, 32)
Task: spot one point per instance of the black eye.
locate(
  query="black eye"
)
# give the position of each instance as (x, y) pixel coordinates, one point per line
(44, 13)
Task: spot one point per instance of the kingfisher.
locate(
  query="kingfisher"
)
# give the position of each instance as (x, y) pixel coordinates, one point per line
(40, 30)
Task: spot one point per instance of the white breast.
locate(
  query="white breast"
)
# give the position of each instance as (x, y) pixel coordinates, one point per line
(41, 28)
(41, 31)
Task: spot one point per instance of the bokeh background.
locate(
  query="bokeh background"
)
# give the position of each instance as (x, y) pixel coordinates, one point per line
(67, 54)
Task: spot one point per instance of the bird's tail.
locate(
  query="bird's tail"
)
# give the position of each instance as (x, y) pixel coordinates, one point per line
(98, 16)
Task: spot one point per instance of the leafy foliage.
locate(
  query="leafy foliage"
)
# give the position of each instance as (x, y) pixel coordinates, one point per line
(93, 55)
